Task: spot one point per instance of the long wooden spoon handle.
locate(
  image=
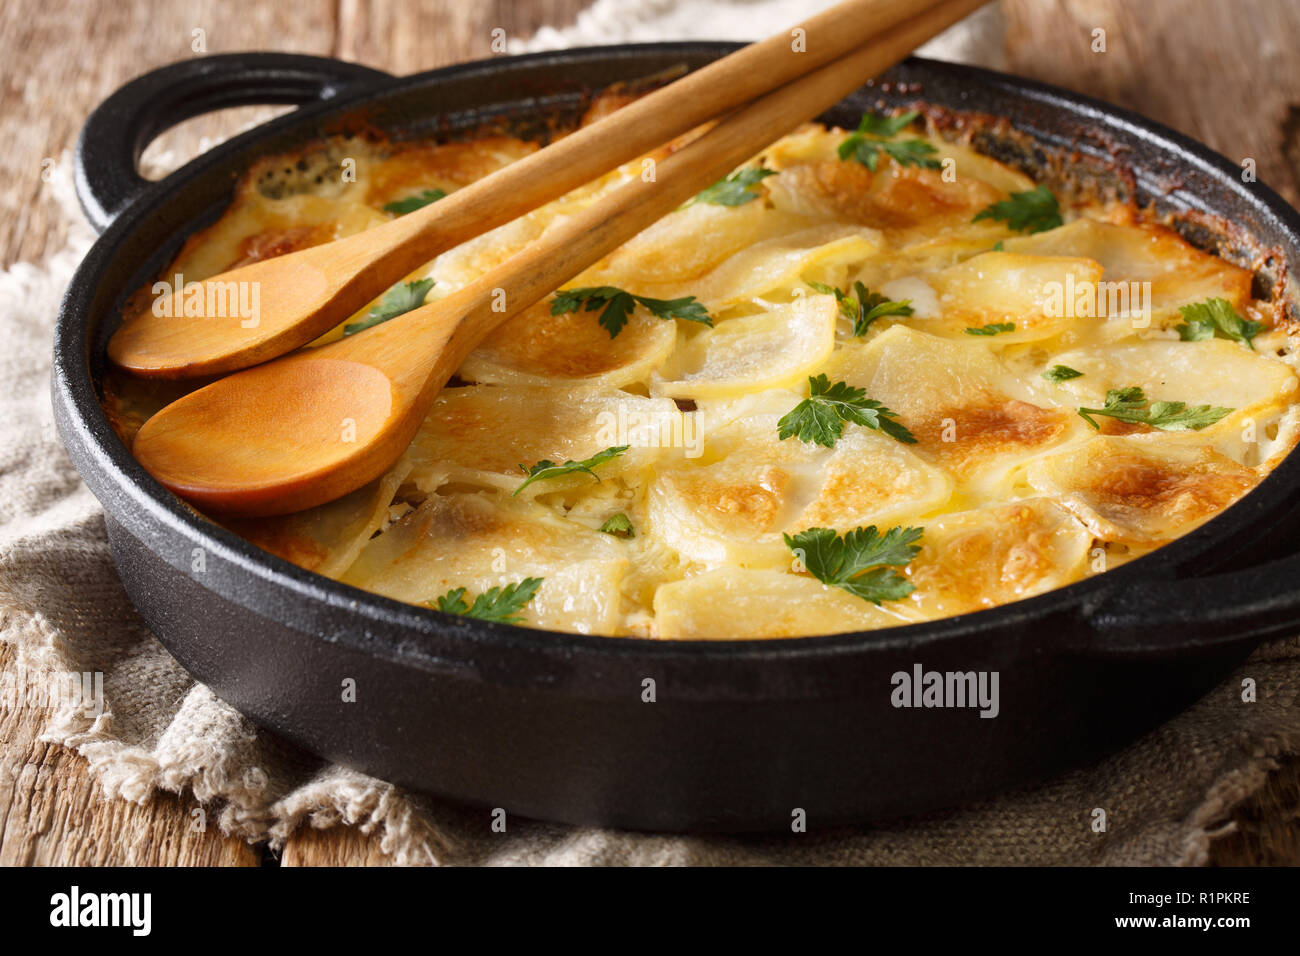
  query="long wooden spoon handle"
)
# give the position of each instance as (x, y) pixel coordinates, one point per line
(636, 129)
(578, 242)
(267, 441)
(306, 293)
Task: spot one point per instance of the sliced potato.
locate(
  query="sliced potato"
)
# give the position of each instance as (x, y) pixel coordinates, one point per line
(1141, 490)
(1209, 372)
(904, 202)
(481, 434)
(989, 556)
(751, 487)
(681, 246)
(537, 348)
(1178, 273)
(970, 414)
(327, 539)
(731, 604)
(776, 263)
(480, 541)
(1039, 295)
(776, 349)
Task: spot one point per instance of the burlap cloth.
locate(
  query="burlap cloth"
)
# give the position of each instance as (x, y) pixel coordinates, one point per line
(61, 604)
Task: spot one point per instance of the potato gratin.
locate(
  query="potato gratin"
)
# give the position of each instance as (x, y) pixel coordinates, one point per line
(871, 378)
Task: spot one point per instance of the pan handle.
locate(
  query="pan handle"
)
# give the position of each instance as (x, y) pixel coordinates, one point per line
(117, 132)
(1150, 618)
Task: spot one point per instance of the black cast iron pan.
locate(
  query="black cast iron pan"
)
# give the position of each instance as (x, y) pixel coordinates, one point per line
(740, 734)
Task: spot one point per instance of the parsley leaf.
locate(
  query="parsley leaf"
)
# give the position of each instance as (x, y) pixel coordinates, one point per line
(886, 127)
(401, 298)
(993, 328)
(873, 136)
(1034, 210)
(548, 469)
(618, 305)
(411, 203)
(1205, 319)
(866, 308)
(737, 189)
(619, 525)
(821, 416)
(1061, 373)
(859, 561)
(502, 605)
(1130, 405)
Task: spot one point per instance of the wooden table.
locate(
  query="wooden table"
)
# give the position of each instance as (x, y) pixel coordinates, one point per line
(1223, 72)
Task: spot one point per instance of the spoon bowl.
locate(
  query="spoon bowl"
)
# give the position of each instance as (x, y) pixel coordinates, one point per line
(296, 429)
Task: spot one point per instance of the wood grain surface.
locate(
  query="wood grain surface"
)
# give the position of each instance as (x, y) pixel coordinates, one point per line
(1223, 72)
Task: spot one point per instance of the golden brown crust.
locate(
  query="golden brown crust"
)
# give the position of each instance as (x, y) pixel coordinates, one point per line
(985, 426)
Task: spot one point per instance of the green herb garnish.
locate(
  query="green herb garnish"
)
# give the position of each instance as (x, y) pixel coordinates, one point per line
(820, 417)
(873, 137)
(1061, 373)
(503, 605)
(1217, 316)
(1035, 210)
(618, 305)
(737, 189)
(548, 469)
(619, 525)
(401, 298)
(993, 328)
(401, 207)
(1130, 405)
(860, 561)
(866, 308)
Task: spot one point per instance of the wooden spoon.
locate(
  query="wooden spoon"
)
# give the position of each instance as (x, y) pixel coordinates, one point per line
(304, 294)
(318, 424)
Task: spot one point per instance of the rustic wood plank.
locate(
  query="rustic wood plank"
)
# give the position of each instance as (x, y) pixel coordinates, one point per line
(335, 846)
(52, 814)
(62, 57)
(1267, 831)
(408, 38)
(1223, 73)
